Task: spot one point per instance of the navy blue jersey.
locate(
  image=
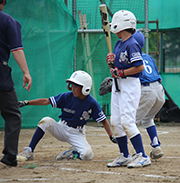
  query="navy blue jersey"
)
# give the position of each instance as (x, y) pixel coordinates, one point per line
(10, 36)
(128, 54)
(150, 73)
(75, 111)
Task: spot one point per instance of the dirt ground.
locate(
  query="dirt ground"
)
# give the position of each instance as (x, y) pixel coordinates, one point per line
(44, 167)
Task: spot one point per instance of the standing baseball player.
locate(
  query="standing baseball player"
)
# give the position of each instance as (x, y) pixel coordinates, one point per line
(10, 41)
(128, 66)
(77, 108)
(152, 98)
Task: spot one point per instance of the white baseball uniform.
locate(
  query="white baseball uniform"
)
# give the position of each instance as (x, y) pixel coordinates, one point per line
(124, 104)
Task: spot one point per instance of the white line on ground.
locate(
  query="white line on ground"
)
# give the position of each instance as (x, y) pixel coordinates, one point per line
(117, 173)
(89, 171)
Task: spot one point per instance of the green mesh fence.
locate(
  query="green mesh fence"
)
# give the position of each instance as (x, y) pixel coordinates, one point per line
(91, 9)
(49, 35)
(167, 12)
(51, 39)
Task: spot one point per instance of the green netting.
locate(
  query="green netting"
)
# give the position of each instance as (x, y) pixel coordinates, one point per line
(167, 12)
(49, 35)
(91, 9)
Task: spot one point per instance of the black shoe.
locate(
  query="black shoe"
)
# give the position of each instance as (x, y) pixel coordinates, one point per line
(9, 160)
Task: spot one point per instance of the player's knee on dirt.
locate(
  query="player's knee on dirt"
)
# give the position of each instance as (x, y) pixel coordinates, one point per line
(87, 154)
(45, 123)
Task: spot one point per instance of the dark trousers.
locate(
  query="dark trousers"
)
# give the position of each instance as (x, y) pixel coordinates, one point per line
(12, 116)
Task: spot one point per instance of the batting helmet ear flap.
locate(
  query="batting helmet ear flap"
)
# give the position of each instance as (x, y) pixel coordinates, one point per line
(85, 91)
(69, 87)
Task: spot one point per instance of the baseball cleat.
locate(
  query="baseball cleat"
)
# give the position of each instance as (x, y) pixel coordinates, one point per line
(139, 161)
(156, 153)
(66, 154)
(120, 161)
(26, 155)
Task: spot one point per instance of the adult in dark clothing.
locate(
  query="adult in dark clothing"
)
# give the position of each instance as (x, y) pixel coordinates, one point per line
(10, 41)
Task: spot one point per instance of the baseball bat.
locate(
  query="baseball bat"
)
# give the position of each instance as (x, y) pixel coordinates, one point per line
(105, 26)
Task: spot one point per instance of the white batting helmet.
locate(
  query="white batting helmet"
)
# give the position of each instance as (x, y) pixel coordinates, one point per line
(80, 78)
(122, 20)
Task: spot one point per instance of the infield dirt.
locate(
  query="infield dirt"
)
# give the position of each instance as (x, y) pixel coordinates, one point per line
(44, 167)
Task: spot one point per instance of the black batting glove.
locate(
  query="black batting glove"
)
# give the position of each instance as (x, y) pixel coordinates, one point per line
(23, 103)
(113, 139)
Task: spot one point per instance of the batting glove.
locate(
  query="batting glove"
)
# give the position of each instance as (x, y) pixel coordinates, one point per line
(110, 58)
(113, 139)
(23, 103)
(115, 72)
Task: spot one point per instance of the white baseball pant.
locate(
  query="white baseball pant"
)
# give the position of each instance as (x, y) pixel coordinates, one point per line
(75, 137)
(124, 105)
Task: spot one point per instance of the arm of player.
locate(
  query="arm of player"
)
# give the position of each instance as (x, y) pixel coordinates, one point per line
(133, 70)
(40, 101)
(107, 127)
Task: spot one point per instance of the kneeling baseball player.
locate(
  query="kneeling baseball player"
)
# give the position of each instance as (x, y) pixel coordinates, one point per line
(77, 107)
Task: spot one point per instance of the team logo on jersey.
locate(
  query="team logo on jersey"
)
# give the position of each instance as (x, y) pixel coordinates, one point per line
(124, 58)
(86, 115)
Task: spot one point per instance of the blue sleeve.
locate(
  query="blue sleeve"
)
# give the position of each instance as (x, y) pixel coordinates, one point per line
(57, 101)
(98, 114)
(135, 54)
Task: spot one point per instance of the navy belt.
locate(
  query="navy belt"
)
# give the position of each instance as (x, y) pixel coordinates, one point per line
(148, 84)
(70, 125)
(145, 84)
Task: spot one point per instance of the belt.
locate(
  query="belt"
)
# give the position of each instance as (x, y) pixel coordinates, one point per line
(70, 125)
(3, 62)
(125, 77)
(145, 84)
(148, 84)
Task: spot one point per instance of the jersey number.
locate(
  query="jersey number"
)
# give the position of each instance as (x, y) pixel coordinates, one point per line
(147, 68)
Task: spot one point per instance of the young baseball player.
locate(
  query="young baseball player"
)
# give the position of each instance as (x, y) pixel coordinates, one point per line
(128, 66)
(77, 107)
(152, 98)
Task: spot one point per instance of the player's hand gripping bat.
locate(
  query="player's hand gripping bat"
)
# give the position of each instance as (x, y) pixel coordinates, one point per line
(105, 26)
